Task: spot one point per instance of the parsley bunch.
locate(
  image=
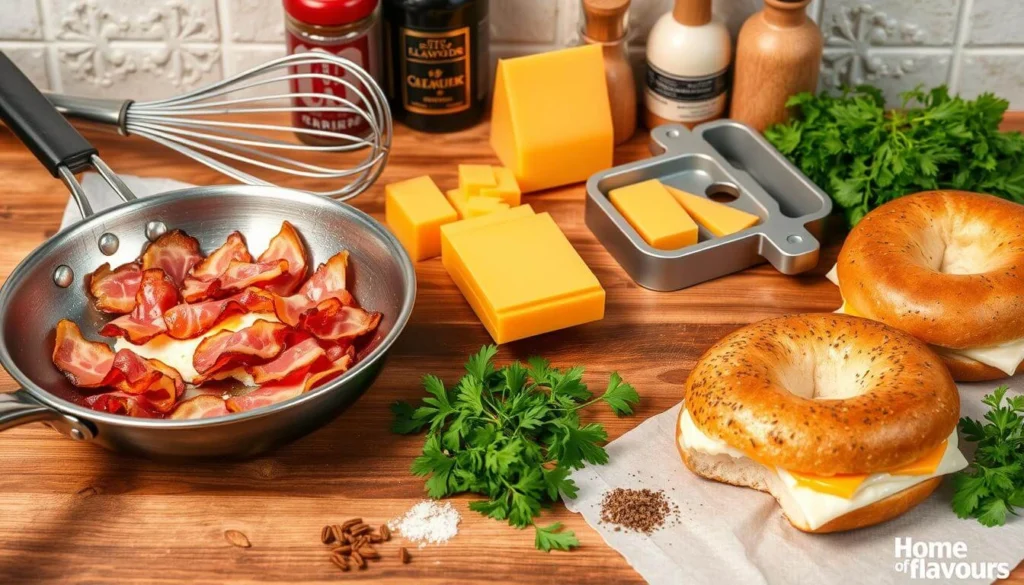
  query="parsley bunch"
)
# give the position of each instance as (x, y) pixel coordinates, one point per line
(511, 434)
(993, 485)
(864, 156)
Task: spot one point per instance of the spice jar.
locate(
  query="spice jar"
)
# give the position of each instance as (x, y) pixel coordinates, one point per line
(347, 28)
(436, 55)
(604, 23)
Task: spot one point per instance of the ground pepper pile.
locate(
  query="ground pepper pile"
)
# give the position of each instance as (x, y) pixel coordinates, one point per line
(638, 510)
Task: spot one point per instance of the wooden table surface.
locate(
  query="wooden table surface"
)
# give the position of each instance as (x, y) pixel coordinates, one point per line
(73, 512)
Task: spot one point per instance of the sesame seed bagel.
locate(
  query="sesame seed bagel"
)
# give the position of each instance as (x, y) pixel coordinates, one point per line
(825, 394)
(945, 266)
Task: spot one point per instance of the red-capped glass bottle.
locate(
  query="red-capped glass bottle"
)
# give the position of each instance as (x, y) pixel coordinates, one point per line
(348, 28)
(436, 53)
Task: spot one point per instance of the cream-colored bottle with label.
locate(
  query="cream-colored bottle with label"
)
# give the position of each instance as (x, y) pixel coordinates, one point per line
(688, 56)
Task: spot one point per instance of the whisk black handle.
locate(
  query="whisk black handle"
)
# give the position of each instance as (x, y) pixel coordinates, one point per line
(38, 125)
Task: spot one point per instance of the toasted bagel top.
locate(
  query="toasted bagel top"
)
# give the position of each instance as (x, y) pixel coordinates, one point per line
(945, 266)
(824, 394)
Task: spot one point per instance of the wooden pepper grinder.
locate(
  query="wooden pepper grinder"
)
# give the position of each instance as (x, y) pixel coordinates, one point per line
(778, 54)
(604, 23)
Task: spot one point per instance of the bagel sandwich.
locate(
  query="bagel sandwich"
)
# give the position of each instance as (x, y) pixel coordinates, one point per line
(845, 421)
(948, 268)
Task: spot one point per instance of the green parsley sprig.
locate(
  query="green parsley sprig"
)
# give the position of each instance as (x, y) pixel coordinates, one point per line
(864, 155)
(512, 434)
(993, 485)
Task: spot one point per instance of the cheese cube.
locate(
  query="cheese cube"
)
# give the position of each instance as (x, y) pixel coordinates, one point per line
(551, 123)
(507, 188)
(719, 219)
(655, 215)
(522, 277)
(415, 210)
(448, 231)
(472, 178)
(479, 206)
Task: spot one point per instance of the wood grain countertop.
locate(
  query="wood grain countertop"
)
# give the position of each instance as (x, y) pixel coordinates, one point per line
(73, 512)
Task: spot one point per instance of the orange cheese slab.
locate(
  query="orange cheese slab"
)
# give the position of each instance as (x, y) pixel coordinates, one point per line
(522, 277)
(925, 465)
(451, 230)
(507, 188)
(551, 123)
(720, 219)
(655, 215)
(415, 210)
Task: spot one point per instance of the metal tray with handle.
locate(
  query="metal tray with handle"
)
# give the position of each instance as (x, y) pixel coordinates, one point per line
(728, 162)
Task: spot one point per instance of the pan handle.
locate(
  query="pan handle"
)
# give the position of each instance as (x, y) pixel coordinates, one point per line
(54, 141)
(19, 408)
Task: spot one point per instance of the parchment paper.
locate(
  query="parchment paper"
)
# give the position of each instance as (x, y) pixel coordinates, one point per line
(729, 535)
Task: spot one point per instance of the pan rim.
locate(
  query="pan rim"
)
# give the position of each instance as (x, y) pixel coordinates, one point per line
(309, 200)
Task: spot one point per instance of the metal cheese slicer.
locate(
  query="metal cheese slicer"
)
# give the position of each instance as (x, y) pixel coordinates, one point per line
(238, 121)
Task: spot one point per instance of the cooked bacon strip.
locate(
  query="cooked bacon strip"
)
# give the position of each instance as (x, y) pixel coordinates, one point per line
(175, 253)
(333, 320)
(204, 406)
(86, 363)
(329, 278)
(338, 367)
(156, 296)
(238, 276)
(118, 403)
(291, 309)
(265, 396)
(115, 290)
(155, 383)
(297, 358)
(287, 246)
(187, 321)
(258, 343)
(202, 282)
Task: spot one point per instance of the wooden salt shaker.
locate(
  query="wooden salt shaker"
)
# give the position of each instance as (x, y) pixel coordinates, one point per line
(778, 54)
(604, 23)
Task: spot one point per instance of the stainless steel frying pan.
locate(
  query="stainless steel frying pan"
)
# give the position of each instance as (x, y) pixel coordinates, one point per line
(49, 286)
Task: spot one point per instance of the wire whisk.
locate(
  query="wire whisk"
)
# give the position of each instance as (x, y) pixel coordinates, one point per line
(234, 123)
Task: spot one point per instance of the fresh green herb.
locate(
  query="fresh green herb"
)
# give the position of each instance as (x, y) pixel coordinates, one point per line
(993, 485)
(864, 156)
(511, 434)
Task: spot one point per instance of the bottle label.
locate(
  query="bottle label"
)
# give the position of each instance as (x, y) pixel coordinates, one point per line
(436, 74)
(685, 99)
(361, 50)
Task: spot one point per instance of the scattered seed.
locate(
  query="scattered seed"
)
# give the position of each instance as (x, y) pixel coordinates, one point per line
(403, 553)
(360, 528)
(342, 550)
(359, 560)
(350, 523)
(327, 535)
(337, 531)
(375, 538)
(385, 532)
(340, 561)
(236, 538)
(368, 552)
(639, 510)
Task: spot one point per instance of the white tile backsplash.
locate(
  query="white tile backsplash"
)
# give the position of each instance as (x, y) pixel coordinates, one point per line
(155, 48)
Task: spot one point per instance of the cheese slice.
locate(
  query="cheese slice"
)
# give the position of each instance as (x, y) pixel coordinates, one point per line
(1006, 357)
(655, 215)
(816, 500)
(507, 188)
(719, 219)
(452, 230)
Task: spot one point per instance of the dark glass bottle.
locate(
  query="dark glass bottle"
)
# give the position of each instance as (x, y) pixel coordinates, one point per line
(436, 55)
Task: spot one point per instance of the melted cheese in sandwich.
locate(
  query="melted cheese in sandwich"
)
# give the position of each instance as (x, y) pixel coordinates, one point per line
(1006, 357)
(178, 353)
(817, 500)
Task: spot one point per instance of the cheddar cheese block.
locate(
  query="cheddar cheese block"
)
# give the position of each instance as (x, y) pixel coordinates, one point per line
(521, 275)
(415, 210)
(719, 219)
(472, 178)
(469, 207)
(655, 215)
(450, 230)
(551, 123)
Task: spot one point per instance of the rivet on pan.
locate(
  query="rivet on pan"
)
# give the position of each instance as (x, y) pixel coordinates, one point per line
(673, 133)
(76, 434)
(794, 239)
(63, 276)
(108, 244)
(155, 229)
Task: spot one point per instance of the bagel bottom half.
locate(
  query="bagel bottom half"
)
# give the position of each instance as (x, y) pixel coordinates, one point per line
(747, 473)
(964, 369)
